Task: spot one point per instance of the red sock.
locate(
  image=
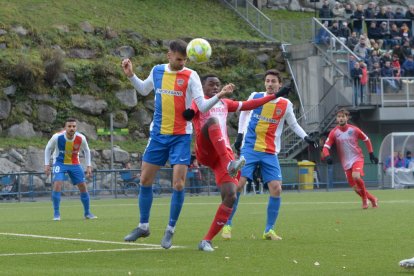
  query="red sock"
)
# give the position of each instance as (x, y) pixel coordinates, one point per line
(222, 215)
(219, 142)
(361, 187)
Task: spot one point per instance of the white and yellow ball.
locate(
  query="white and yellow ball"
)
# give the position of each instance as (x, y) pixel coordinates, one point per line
(199, 50)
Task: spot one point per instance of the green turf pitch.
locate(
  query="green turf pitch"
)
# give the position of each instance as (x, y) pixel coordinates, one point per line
(324, 233)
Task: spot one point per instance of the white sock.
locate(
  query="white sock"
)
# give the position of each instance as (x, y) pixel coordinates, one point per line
(171, 228)
(143, 226)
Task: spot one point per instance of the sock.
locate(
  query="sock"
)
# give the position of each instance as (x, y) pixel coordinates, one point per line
(361, 186)
(272, 212)
(177, 201)
(219, 142)
(145, 203)
(56, 201)
(222, 215)
(84, 197)
(236, 203)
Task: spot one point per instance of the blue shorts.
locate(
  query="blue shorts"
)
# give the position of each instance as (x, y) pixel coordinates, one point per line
(176, 148)
(75, 173)
(269, 165)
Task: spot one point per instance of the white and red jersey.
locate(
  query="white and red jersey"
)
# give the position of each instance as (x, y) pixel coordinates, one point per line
(218, 111)
(346, 140)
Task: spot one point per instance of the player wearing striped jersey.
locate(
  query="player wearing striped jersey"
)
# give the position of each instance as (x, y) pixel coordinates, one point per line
(345, 137)
(213, 149)
(262, 128)
(175, 87)
(66, 146)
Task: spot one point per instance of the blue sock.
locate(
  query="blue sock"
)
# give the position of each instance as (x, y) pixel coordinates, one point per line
(84, 197)
(56, 201)
(145, 203)
(272, 212)
(236, 203)
(177, 201)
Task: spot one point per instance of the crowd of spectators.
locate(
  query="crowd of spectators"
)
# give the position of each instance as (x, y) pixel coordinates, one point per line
(381, 37)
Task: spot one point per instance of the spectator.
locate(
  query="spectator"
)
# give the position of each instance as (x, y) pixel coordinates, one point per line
(374, 32)
(348, 14)
(405, 32)
(395, 35)
(334, 29)
(374, 78)
(388, 72)
(406, 50)
(399, 15)
(385, 34)
(384, 58)
(358, 17)
(408, 67)
(356, 74)
(373, 58)
(323, 37)
(399, 162)
(370, 13)
(338, 12)
(128, 175)
(408, 159)
(382, 14)
(344, 33)
(325, 13)
(410, 15)
(361, 49)
(352, 41)
(389, 12)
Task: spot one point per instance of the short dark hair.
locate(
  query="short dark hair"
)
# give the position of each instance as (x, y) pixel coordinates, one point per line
(179, 46)
(205, 77)
(273, 72)
(70, 120)
(343, 111)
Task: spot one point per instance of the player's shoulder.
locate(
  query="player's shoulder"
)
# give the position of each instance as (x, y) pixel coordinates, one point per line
(81, 135)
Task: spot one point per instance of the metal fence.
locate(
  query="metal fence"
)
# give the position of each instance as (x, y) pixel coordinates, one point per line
(31, 186)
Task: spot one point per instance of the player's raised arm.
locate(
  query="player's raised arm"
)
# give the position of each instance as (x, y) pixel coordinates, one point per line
(143, 87)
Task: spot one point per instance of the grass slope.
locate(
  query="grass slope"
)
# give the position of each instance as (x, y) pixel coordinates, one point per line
(328, 228)
(163, 19)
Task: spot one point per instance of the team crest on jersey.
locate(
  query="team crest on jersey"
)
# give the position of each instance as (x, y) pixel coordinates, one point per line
(76, 146)
(278, 111)
(180, 82)
(350, 132)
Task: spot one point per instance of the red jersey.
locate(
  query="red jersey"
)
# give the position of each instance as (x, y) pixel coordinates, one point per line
(346, 141)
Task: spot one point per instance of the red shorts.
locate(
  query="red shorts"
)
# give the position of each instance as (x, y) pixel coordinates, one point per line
(356, 167)
(207, 155)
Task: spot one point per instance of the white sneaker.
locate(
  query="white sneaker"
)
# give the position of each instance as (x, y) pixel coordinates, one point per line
(235, 165)
(407, 263)
(206, 246)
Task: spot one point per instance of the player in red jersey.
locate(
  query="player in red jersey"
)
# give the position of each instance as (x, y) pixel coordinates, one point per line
(213, 149)
(345, 137)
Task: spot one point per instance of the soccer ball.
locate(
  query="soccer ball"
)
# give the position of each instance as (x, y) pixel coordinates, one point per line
(199, 50)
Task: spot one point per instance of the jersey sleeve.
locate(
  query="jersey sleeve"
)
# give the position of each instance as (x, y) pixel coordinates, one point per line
(293, 123)
(244, 115)
(328, 143)
(86, 151)
(232, 106)
(255, 103)
(143, 87)
(49, 148)
(362, 136)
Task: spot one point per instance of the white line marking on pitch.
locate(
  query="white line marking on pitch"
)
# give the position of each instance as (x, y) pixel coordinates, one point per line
(78, 251)
(82, 240)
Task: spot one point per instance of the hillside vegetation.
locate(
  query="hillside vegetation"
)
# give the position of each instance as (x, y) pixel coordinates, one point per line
(34, 61)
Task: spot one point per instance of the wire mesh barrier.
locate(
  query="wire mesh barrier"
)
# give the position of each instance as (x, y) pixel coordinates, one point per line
(31, 186)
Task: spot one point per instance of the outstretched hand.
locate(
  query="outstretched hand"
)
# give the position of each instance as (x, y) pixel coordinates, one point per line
(226, 91)
(311, 142)
(284, 91)
(127, 67)
(373, 159)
